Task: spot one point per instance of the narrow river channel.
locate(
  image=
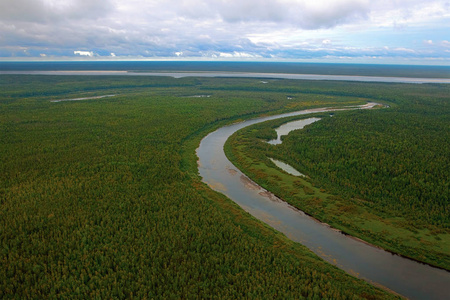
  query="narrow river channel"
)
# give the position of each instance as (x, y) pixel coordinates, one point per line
(411, 279)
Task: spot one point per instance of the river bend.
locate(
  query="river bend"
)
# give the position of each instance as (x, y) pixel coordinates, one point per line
(404, 276)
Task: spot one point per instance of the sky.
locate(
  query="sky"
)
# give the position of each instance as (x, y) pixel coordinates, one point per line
(360, 31)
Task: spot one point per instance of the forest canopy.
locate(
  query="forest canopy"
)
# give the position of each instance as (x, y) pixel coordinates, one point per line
(102, 198)
(382, 175)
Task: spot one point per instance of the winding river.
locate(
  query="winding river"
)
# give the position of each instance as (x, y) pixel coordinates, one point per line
(404, 276)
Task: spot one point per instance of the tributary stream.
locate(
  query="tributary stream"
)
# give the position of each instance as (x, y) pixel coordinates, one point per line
(404, 276)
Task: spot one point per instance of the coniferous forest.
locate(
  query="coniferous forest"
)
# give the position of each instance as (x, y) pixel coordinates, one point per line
(101, 198)
(381, 175)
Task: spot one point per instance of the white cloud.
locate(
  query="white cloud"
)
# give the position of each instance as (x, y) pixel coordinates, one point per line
(400, 14)
(218, 28)
(404, 50)
(236, 54)
(84, 53)
(445, 44)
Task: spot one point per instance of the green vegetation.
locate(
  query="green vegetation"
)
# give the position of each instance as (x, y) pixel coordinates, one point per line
(101, 198)
(381, 175)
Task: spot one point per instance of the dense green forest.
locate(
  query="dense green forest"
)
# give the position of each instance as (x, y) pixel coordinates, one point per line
(101, 198)
(381, 175)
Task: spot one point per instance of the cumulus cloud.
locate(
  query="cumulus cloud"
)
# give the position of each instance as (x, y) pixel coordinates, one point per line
(236, 54)
(84, 53)
(215, 28)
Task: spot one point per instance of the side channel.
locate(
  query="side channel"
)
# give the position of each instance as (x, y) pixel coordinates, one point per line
(404, 276)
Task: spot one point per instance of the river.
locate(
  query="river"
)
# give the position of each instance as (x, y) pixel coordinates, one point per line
(239, 75)
(404, 276)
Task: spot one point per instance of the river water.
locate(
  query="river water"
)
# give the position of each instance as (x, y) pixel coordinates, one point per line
(286, 167)
(240, 75)
(288, 127)
(404, 276)
(84, 98)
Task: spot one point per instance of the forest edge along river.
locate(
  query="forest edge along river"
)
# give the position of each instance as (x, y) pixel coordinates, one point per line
(404, 276)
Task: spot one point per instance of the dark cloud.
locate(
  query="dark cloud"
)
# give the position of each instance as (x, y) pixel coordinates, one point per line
(302, 13)
(200, 28)
(50, 11)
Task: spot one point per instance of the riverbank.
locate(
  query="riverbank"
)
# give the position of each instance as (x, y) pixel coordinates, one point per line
(361, 259)
(351, 216)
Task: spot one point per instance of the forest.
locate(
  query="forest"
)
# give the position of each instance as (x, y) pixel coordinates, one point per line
(381, 175)
(101, 198)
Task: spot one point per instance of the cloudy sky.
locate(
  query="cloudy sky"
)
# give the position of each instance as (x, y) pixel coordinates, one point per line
(370, 31)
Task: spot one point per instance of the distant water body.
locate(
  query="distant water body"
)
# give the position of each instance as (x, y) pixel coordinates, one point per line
(305, 71)
(239, 75)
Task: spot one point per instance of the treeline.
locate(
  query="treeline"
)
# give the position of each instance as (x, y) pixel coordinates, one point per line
(101, 199)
